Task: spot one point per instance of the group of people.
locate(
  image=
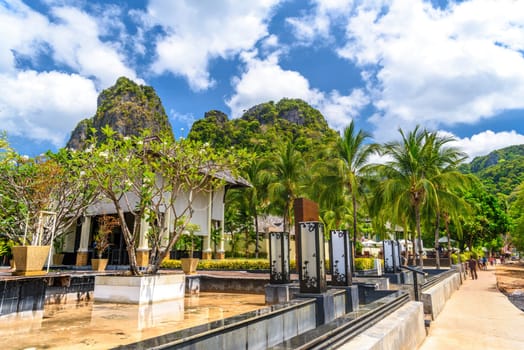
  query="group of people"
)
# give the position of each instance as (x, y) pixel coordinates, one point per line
(482, 264)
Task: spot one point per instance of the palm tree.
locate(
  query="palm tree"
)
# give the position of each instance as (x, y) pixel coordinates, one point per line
(420, 170)
(254, 198)
(328, 187)
(449, 183)
(352, 155)
(289, 173)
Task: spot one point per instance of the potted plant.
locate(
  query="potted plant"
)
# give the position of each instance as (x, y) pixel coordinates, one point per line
(153, 193)
(189, 264)
(6, 252)
(58, 247)
(106, 224)
(32, 255)
(41, 198)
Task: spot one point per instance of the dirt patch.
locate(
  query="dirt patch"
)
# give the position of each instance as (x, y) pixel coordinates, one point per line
(510, 281)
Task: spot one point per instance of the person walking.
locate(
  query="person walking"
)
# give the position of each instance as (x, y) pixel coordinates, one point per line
(473, 267)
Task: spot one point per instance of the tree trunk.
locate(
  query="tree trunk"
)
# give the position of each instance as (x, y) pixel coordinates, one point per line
(437, 245)
(354, 200)
(446, 222)
(128, 238)
(256, 235)
(419, 233)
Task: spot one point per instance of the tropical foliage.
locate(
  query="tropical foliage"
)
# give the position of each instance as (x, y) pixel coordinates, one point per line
(41, 197)
(154, 179)
(290, 151)
(417, 178)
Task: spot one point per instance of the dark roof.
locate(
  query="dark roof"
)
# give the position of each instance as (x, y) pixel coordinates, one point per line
(233, 182)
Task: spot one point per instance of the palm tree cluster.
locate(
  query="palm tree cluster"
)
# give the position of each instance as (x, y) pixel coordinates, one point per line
(416, 185)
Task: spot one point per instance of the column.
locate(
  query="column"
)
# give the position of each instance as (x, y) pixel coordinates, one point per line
(221, 253)
(142, 251)
(164, 235)
(82, 253)
(207, 253)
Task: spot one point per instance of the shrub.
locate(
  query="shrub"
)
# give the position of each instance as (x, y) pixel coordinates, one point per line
(463, 257)
(225, 264)
(364, 263)
(250, 264)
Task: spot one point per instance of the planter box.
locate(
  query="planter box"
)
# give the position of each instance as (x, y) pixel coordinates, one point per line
(189, 265)
(99, 264)
(30, 260)
(139, 289)
(58, 259)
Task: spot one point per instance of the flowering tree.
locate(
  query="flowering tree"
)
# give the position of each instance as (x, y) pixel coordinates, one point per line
(156, 180)
(52, 183)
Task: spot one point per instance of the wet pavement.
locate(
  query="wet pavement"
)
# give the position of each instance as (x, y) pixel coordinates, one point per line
(90, 325)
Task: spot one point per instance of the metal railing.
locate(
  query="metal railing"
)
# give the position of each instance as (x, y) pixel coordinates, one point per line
(416, 272)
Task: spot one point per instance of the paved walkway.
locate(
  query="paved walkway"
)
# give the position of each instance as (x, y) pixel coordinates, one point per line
(477, 316)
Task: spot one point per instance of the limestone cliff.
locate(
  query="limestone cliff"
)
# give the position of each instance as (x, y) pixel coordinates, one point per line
(127, 108)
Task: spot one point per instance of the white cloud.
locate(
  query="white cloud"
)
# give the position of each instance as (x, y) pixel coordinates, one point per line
(76, 42)
(439, 67)
(20, 30)
(71, 38)
(186, 119)
(317, 24)
(265, 80)
(487, 141)
(45, 106)
(339, 110)
(197, 32)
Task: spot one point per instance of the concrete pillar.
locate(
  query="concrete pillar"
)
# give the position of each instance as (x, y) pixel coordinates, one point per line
(207, 253)
(82, 253)
(221, 253)
(164, 235)
(142, 251)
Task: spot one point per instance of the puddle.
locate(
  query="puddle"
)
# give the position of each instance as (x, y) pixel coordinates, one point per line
(91, 325)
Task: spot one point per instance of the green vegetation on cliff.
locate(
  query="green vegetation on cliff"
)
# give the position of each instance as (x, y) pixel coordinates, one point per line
(264, 127)
(501, 171)
(128, 108)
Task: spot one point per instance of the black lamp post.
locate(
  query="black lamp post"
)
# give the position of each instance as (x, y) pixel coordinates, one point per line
(341, 257)
(279, 257)
(312, 272)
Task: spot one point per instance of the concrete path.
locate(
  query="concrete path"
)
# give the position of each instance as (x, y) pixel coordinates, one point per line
(478, 317)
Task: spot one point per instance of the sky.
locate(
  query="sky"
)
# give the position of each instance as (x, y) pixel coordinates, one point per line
(456, 67)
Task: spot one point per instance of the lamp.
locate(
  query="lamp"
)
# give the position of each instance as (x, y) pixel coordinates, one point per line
(279, 257)
(341, 258)
(312, 272)
(392, 258)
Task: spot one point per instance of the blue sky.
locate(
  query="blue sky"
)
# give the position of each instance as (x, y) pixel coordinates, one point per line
(452, 66)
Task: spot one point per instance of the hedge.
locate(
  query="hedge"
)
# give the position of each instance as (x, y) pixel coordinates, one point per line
(250, 264)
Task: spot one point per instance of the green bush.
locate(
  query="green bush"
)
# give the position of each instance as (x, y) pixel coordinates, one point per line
(463, 257)
(250, 264)
(364, 264)
(224, 264)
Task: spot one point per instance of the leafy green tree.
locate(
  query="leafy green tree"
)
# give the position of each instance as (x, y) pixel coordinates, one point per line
(517, 216)
(253, 199)
(53, 182)
(155, 179)
(413, 176)
(488, 221)
(352, 154)
(449, 186)
(289, 175)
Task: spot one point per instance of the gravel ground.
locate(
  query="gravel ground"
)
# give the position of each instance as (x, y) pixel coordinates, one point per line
(510, 281)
